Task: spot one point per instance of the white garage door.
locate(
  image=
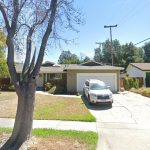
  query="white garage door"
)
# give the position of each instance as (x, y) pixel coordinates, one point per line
(110, 79)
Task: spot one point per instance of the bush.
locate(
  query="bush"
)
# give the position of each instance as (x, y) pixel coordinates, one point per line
(142, 91)
(48, 86)
(57, 89)
(52, 90)
(130, 82)
(7, 87)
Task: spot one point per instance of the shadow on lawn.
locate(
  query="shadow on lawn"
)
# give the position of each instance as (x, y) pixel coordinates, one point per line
(97, 106)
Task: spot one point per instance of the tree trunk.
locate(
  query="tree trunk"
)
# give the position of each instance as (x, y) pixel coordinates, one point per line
(24, 117)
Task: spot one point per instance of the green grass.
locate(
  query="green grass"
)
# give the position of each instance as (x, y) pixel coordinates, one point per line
(142, 91)
(48, 107)
(87, 138)
(62, 108)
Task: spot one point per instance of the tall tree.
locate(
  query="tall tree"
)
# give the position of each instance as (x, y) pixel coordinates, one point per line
(146, 48)
(98, 55)
(131, 54)
(35, 20)
(66, 57)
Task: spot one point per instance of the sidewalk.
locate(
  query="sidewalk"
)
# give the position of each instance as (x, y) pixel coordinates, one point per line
(54, 124)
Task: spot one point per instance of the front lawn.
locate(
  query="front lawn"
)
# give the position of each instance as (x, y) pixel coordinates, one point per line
(58, 139)
(142, 91)
(48, 107)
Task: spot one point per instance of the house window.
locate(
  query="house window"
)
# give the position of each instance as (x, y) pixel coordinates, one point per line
(54, 76)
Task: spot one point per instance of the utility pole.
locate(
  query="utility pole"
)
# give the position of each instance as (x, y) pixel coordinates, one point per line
(112, 52)
(100, 44)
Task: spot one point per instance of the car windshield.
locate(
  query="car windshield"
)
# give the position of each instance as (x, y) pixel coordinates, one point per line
(96, 86)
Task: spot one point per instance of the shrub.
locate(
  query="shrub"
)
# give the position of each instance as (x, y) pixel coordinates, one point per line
(47, 86)
(7, 87)
(52, 90)
(130, 82)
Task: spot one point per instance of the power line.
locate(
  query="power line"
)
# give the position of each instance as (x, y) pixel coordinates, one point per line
(142, 41)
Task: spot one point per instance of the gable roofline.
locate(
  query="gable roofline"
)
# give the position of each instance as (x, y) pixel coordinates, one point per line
(134, 65)
(91, 61)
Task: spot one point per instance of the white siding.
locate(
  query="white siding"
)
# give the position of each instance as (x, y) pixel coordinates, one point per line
(135, 72)
(39, 80)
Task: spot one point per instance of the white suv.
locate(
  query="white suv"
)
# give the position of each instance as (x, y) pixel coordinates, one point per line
(96, 91)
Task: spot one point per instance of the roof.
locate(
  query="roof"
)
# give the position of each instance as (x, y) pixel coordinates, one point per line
(142, 66)
(91, 63)
(64, 67)
(80, 67)
(49, 69)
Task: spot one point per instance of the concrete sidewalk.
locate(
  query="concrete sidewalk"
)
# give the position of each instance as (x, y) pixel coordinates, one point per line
(54, 124)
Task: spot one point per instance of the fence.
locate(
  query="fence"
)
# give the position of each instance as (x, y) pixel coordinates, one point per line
(5, 81)
(141, 82)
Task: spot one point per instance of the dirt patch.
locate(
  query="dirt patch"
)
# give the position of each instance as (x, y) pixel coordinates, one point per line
(48, 143)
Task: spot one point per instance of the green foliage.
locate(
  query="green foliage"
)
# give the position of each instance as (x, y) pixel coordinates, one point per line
(142, 91)
(67, 57)
(98, 56)
(146, 48)
(89, 138)
(3, 66)
(85, 59)
(47, 86)
(55, 87)
(147, 79)
(123, 54)
(130, 82)
(2, 40)
(7, 87)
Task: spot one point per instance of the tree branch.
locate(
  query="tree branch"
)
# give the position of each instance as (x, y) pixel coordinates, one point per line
(15, 16)
(53, 7)
(28, 51)
(5, 17)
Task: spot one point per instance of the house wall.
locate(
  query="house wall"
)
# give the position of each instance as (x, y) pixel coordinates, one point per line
(135, 72)
(72, 78)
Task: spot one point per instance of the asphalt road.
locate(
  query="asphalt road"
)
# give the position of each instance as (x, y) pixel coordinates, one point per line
(125, 126)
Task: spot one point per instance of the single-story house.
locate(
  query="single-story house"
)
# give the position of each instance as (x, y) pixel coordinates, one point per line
(138, 70)
(75, 75)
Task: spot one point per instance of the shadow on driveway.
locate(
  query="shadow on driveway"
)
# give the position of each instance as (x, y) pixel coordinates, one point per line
(97, 106)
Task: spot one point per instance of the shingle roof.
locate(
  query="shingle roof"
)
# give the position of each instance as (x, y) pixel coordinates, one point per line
(142, 66)
(79, 67)
(65, 67)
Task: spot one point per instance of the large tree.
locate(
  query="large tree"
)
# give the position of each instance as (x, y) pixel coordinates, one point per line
(98, 55)
(66, 57)
(131, 54)
(146, 48)
(37, 21)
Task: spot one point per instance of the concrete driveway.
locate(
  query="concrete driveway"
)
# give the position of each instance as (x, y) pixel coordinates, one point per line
(125, 126)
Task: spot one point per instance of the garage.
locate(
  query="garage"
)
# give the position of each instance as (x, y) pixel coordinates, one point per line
(109, 78)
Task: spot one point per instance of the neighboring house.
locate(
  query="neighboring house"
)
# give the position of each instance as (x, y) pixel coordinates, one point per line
(75, 75)
(138, 70)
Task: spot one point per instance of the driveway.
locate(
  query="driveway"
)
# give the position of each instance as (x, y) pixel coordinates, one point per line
(125, 126)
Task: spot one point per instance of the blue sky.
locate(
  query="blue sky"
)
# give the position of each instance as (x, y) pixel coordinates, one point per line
(131, 16)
